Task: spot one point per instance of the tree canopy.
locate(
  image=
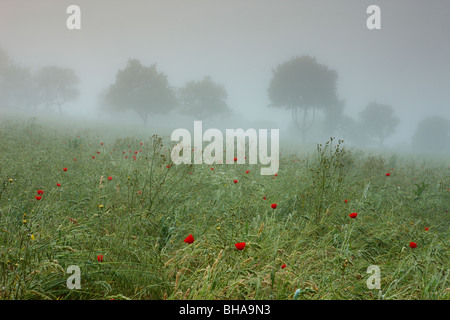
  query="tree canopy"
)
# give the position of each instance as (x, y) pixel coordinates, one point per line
(379, 121)
(302, 83)
(203, 99)
(139, 88)
(57, 86)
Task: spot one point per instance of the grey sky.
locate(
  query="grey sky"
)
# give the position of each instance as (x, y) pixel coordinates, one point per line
(405, 64)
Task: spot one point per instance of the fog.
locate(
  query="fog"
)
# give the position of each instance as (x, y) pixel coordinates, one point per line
(238, 44)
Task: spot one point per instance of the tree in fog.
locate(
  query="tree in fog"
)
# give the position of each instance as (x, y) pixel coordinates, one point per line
(432, 135)
(57, 86)
(139, 88)
(17, 86)
(301, 84)
(379, 121)
(203, 99)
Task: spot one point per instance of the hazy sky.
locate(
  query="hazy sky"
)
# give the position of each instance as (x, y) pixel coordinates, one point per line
(239, 42)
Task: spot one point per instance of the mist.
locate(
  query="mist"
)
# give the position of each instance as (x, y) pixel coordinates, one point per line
(239, 45)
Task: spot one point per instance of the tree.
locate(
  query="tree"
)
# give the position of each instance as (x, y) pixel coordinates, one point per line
(379, 121)
(303, 84)
(139, 88)
(57, 86)
(17, 87)
(432, 135)
(203, 99)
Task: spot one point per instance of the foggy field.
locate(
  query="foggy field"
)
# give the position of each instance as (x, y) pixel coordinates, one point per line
(123, 221)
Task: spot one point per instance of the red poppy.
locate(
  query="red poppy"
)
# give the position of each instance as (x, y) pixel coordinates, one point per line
(40, 192)
(135, 152)
(235, 181)
(283, 266)
(264, 198)
(93, 157)
(353, 215)
(58, 185)
(100, 258)
(64, 169)
(235, 159)
(276, 174)
(141, 143)
(345, 200)
(273, 205)
(247, 171)
(38, 197)
(101, 143)
(426, 229)
(212, 168)
(98, 152)
(168, 166)
(240, 245)
(74, 159)
(109, 178)
(189, 239)
(388, 174)
(413, 245)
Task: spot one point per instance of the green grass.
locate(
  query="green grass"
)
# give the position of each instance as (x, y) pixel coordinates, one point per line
(149, 209)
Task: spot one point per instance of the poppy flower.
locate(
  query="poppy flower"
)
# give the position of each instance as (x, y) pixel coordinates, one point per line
(100, 258)
(212, 168)
(426, 229)
(101, 143)
(38, 198)
(141, 143)
(413, 245)
(235, 181)
(58, 184)
(264, 198)
(388, 174)
(240, 245)
(93, 157)
(235, 159)
(40, 192)
(283, 266)
(345, 200)
(247, 171)
(273, 205)
(74, 159)
(65, 169)
(135, 152)
(276, 174)
(189, 239)
(109, 178)
(353, 215)
(168, 166)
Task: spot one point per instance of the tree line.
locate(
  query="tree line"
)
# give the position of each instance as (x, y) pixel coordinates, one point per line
(301, 85)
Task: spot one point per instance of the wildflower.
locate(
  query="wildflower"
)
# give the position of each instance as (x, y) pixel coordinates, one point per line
(212, 168)
(273, 205)
(388, 174)
(264, 198)
(247, 171)
(65, 169)
(168, 166)
(100, 258)
(32, 237)
(101, 143)
(58, 184)
(235, 181)
(345, 200)
(38, 198)
(109, 178)
(24, 221)
(10, 180)
(413, 245)
(235, 159)
(240, 245)
(100, 206)
(276, 174)
(98, 152)
(93, 157)
(40, 192)
(74, 159)
(141, 143)
(283, 266)
(353, 215)
(426, 229)
(189, 239)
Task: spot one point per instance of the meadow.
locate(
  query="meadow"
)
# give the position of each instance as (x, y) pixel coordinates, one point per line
(115, 206)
